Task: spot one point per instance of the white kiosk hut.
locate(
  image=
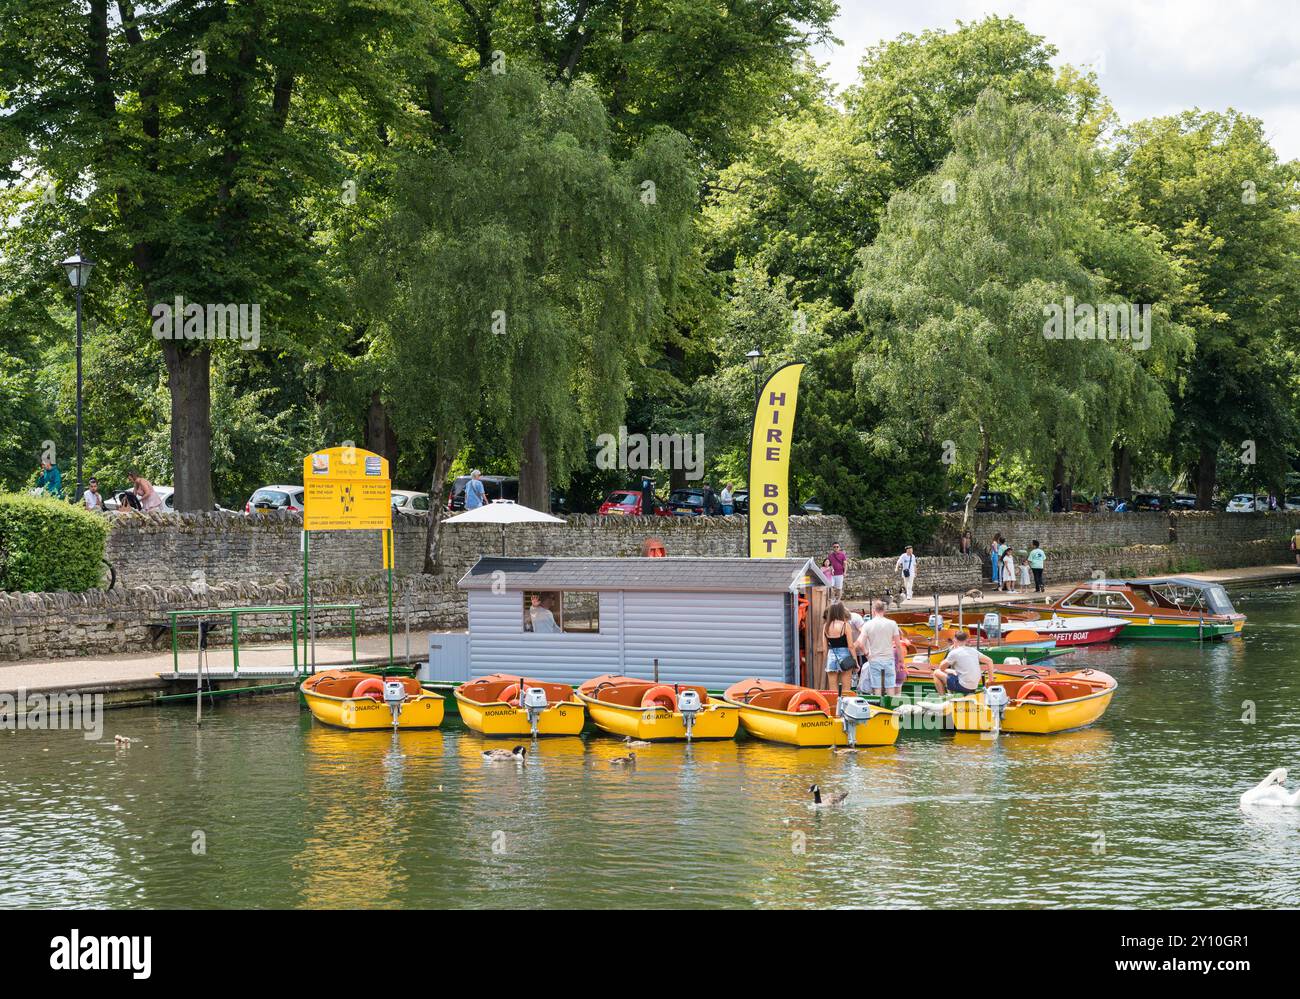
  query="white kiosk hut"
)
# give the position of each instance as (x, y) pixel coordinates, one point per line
(706, 620)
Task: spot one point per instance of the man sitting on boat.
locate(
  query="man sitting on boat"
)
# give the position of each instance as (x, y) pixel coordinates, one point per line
(959, 673)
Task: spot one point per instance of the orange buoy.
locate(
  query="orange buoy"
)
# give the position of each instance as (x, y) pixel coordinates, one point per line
(511, 694)
(372, 687)
(807, 700)
(1036, 691)
(660, 697)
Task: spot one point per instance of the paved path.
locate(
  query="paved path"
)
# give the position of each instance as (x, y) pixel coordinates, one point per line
(137, 667)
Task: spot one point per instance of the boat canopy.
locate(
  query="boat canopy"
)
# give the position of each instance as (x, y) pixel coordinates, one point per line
(1182, 592)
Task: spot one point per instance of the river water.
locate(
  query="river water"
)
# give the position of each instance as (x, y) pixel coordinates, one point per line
(262, 807)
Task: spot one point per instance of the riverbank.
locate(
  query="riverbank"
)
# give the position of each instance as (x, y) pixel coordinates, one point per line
(130, 679)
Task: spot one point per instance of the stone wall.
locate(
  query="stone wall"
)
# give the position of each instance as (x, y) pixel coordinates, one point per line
(60, 625)
(165, 550)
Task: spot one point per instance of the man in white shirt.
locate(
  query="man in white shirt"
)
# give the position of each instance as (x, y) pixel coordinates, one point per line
(959, 673)
(542, 619)
(881, 642)
(906, 567)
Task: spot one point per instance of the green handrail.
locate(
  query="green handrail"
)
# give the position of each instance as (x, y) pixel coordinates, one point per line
(237, 612)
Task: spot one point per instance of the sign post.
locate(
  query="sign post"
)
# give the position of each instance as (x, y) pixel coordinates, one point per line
(346, 489)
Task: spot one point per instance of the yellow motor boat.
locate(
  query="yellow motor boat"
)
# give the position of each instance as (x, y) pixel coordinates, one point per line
(507, 705)
(351, 700)
(801, 716)
(1036, 705)
(644, 709)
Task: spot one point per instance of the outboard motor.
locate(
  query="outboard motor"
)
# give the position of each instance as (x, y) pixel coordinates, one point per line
(852, 711)
(395, 697)
(992, 626)
(996, 699)
(935, 621)
(689, 704)
(534, 703)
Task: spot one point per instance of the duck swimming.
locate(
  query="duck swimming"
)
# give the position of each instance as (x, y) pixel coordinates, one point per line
(1271, 791)
(837, 798)
(518, 754)
(636, 743)
(624, 761)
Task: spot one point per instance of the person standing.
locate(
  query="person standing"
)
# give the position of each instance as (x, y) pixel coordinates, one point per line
(840, 661)
(475, 497)
(965, 542)
(1008, 569)
(839, 561)
(728, 501)
(906, 567)
(144, 492)
(93, 500)
(995, 554)
(50, 478)
(881, 642)
(1037, 560)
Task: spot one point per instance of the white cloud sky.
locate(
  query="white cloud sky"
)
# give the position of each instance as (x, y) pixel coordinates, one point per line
(1154, 57)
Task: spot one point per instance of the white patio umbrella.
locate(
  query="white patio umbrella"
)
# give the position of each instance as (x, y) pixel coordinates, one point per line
(503, 512)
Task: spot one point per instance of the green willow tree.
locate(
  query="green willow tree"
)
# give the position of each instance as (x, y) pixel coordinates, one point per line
(958, 288)
(524, 271)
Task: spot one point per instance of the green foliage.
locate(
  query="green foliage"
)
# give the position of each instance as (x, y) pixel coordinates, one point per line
(48, 545)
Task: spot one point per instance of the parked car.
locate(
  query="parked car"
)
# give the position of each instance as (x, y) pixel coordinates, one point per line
(692, 502)
(626, 503)
(1291, 503)
(740, 500)
(1245, 503)
(410, 502)
(988, 503)
(809, 507)
(1183, 501)
(270, 499)
(1150, 502)
(494, 487)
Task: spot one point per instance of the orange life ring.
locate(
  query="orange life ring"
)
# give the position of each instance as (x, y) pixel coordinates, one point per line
(372, 687)
(510, 694)
(807, 700)
(660, 697)
(1028, 691)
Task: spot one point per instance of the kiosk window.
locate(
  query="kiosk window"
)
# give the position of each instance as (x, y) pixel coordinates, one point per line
(552, 612)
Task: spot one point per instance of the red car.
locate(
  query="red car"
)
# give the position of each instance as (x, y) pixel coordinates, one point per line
(625, 503)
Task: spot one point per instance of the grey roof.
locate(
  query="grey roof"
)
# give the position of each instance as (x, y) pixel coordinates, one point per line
(758, 575)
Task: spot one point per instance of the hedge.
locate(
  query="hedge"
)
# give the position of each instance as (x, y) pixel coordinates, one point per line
(48, 545)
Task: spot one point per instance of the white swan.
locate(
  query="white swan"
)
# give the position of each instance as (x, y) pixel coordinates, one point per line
(1272, 791)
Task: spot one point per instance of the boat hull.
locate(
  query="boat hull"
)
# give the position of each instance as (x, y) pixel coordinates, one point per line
(718, 720)
(971, 714)
(496, 718)
(362, 713)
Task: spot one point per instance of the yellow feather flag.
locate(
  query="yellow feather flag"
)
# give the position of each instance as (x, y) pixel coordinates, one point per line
(769, 463)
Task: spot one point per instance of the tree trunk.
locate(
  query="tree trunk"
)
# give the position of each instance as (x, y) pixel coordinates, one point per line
(1122, 481)
(1206, 471)
(534, 481)
(381, 438)
(437, 503)
(189, 382)
(981, 477)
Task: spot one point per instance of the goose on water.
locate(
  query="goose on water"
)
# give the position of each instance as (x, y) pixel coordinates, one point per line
(1272, 791)
(518, 754)
(835, 799)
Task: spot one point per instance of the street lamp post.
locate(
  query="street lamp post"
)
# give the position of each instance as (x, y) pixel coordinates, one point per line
(78, 268)
(755, 358)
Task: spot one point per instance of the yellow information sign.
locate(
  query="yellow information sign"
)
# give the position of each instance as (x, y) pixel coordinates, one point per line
(346, 489)
(769, 463)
